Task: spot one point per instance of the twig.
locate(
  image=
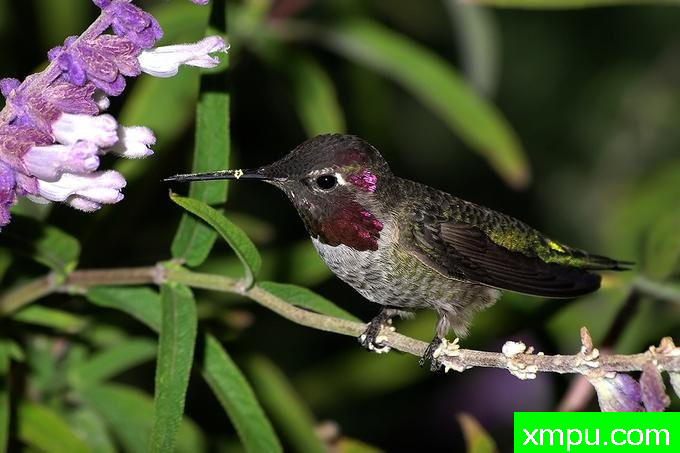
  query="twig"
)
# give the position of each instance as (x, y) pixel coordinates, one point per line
(516, 357)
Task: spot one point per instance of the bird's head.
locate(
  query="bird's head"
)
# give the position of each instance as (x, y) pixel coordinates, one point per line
(333, 181)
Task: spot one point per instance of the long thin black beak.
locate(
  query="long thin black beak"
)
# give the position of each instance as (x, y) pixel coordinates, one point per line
(255, 173)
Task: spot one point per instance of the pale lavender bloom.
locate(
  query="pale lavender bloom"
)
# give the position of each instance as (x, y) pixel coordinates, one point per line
(165, 61)
(97, 188)
(653, 389)
(52, 129)
(620, 393)
(51, 161)
(201, 2)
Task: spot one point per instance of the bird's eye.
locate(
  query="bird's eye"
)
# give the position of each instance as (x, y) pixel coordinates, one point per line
(326, 182)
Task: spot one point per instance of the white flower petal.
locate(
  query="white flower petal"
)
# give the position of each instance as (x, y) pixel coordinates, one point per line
(100, 129)
(133, 142)
(99, 187)
(165, 61)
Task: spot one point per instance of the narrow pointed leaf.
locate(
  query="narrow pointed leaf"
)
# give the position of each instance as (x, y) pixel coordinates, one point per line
(142, 303)
(238, 400)
(315, 98)
(477, 439)
(235, 237)
(437, 84)
(477, 38)
(112, 361)
(288, 411)
(194, 239)
(50, 317)
(305, 298)
(176, 343)
(128, 413)
(45, 430)
(349, 445)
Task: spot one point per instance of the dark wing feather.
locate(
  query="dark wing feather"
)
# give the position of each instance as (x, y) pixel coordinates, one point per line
(465, 252)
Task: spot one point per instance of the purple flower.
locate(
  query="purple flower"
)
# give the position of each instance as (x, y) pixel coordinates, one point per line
(653, 389)
(103, 62)
(132, 23)
(620, 393)
(52, 129)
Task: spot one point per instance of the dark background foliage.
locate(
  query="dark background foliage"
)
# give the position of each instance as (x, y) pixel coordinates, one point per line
(592, 94)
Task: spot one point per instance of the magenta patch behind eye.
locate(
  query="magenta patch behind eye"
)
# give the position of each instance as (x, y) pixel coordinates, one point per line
(365, 180)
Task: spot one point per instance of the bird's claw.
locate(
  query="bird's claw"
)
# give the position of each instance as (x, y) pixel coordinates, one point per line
(374, 338)
(438, 348)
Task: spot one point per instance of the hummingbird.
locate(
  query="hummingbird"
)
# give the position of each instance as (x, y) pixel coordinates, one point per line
(407, 246)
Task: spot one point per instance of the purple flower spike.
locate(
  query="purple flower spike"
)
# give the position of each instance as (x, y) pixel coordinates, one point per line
(620, 393)
(201, 2)
(134, 24)
(7, 196)
(653, 389)
(165, 61)
(52, 129)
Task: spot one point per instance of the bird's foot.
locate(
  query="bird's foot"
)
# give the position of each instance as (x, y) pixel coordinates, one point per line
(436, 350)
(374, 338)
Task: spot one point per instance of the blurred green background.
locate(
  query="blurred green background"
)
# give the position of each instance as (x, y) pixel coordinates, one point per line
(593, 96)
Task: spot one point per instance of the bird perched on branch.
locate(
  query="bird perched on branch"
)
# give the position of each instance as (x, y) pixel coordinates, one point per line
(407, 246)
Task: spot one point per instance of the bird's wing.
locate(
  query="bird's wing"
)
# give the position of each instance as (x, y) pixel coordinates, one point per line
(462, 250)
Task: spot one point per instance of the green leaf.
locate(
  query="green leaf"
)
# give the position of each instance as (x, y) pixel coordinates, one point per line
(286, 408)
(4, 394)
(348, 445)
(43, 243)
(305, 298)
(193, 239)
(237, 398)
(436, 83)
(40, 427)
(112, 361)
(141, 303)
(176, 343)
(569, 4)
(235, 237)
(476, 437)
(128, 413)
(478, 39)
(315, 98)
(89, 426)
(50, 317)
